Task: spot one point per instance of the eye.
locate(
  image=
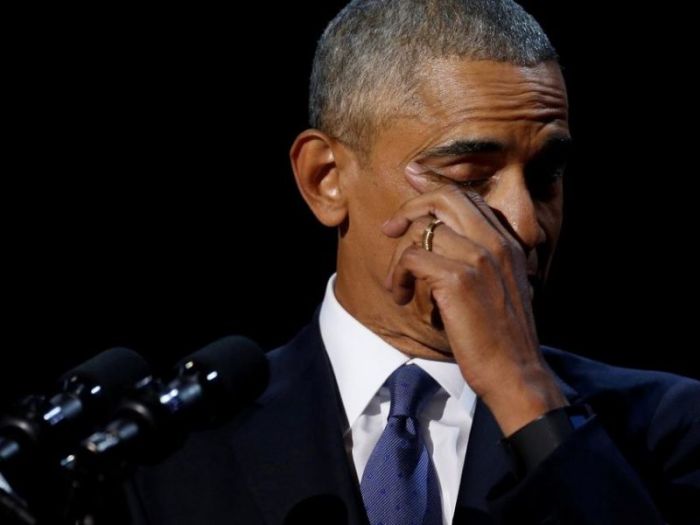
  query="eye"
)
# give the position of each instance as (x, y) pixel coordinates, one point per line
(474, 184)
(467, 175)
(547, 174)
(542, 178)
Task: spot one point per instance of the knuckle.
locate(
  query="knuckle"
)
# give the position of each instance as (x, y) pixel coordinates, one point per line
(418, 230)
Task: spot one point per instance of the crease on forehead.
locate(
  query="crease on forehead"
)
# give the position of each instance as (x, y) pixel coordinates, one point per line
(455, 89)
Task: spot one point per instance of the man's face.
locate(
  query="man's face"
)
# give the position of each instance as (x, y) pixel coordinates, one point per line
(498, 129)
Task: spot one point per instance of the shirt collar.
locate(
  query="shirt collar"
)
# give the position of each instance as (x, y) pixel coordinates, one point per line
(362, 361)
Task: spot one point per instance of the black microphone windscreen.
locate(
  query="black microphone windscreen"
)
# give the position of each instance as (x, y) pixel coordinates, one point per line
(113, 370)
(240, 364)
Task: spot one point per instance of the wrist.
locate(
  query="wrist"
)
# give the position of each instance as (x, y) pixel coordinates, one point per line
(523, 397)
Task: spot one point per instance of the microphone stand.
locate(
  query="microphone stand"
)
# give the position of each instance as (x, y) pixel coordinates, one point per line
(97, 495)
(46, 490)
(13, 510)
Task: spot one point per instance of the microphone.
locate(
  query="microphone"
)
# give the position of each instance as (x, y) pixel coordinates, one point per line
(40, 424)
(210, 386)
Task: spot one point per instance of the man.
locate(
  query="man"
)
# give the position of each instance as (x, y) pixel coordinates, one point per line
(420, 393)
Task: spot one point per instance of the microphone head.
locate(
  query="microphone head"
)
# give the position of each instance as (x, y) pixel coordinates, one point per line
(107, 375)
(234, 371)
(210, 387)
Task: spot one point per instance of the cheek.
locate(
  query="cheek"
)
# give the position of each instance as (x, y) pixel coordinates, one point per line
(377, 196)
(375, 199)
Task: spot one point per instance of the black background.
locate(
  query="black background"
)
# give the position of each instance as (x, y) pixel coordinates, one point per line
(148, 200)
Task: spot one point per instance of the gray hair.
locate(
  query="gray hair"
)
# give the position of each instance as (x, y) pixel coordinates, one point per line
(367, 62)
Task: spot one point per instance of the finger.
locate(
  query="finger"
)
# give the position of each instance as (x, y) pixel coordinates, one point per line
(495, 221)
(414, 237)
(446, 242)
(448, 204)
(452, 206)
(416, 263)
(425, 179)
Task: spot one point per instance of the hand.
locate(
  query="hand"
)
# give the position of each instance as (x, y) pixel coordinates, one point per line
(476, 275)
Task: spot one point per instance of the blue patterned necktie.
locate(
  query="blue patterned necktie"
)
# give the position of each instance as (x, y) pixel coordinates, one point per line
(399, 485)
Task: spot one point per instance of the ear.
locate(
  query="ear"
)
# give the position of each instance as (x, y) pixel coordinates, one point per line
(318, 176)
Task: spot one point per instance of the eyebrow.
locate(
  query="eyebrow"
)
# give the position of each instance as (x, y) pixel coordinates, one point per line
(557, 146)
(465, 147)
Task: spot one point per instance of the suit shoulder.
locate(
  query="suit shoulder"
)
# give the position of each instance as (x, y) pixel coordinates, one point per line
(629, 389)
(292, 360)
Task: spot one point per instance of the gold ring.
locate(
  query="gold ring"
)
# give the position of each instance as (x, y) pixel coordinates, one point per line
(429, 233)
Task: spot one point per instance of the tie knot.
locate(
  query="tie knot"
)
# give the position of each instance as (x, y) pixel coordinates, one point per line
(410, 387)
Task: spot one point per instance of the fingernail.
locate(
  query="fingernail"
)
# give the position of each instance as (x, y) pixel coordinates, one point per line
(393, 227)
(413, 168)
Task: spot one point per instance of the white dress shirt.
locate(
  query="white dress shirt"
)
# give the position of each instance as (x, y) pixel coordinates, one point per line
(362, 362)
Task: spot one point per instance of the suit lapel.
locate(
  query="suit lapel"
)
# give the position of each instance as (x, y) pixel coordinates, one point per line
(291, 446)
(485, 465)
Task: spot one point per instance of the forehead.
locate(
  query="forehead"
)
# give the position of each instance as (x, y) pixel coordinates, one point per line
(453, 88)
(466, 99)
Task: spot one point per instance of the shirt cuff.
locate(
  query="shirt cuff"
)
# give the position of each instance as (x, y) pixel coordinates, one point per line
(531, 444)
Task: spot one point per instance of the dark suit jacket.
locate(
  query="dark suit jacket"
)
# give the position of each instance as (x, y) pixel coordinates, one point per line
(636, 462)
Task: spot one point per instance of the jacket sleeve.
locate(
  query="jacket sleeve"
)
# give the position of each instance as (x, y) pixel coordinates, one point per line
(588, 479)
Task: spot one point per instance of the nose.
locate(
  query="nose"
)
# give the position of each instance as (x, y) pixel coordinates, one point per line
(512, 198)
